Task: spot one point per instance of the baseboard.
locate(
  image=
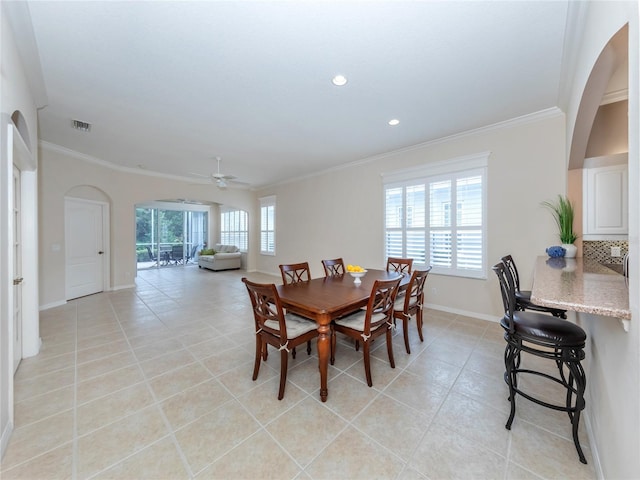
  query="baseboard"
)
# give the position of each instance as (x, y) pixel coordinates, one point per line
(52, 305)
(123, 287)
(6, 436)
(466, 313)
(595, 456)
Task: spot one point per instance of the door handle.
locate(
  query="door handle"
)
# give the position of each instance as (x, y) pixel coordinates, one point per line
(100, 252)
(17, 281)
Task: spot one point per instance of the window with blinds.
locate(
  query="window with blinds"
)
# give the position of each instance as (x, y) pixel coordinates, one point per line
(234, 228)
(438, 219)
(267, 225)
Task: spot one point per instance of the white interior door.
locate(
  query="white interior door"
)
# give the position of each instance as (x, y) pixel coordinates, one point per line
(84, 247)
(17, 271)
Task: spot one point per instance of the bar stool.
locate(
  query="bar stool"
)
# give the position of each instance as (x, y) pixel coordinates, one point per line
(523, 297)
(547, 337)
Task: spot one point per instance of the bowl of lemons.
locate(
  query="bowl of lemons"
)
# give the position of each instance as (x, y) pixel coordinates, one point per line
(357, 272)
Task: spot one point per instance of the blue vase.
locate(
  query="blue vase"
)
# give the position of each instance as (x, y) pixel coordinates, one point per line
(556, 252)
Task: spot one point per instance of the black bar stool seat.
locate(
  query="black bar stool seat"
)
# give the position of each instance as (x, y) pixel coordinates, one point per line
(541, 329)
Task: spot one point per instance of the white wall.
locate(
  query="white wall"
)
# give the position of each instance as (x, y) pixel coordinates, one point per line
(340, 213)
(613, 359)
(14, 95)
(62, 171)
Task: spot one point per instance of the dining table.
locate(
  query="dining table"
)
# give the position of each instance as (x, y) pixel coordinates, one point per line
(326, 299)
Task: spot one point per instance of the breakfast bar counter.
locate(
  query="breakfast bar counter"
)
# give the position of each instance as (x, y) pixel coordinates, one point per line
(580, 285)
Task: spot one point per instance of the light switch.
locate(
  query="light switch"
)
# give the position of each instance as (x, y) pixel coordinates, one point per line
(615, 252)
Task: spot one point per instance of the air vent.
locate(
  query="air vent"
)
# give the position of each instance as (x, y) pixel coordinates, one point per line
(82, 126)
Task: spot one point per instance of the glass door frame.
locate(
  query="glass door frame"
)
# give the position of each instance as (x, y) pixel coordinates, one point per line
(195, 222)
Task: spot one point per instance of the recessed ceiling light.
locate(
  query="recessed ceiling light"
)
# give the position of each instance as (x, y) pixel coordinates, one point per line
(339, 80)
(393, 122)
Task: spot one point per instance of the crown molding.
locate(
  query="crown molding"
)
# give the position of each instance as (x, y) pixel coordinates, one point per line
(103, 163)
(513, 122)
(615, 96)
(534, 117)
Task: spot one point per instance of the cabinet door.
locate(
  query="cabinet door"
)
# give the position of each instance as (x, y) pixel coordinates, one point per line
(606, 209)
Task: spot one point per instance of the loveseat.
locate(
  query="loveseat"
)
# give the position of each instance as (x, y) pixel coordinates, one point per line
(227, 257)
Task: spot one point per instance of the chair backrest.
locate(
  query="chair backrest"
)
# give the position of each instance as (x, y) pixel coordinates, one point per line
(177, 251)
(295, 272)
(414, 297)
(402, 265)
(511, 265)
(333, 267)
(380, 305)
(508, 292)
(267, 309)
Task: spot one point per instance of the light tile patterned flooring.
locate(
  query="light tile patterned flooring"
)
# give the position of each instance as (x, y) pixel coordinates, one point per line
(155, 382)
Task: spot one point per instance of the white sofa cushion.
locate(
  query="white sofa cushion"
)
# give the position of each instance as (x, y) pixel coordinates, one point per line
(220, 248)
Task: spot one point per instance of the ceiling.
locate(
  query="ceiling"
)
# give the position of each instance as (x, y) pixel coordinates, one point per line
(168, 86)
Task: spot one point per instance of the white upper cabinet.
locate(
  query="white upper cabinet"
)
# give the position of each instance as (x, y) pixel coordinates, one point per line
(605, 209)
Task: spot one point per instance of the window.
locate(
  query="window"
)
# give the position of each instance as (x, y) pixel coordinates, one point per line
(436, 215)
(234, 228)
(268, 225)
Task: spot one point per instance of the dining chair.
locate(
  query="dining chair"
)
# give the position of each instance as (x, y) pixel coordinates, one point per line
(523, 297)
(401, 265)
(192, 254)
(275, 328)
(333, 267)
(411, 303)
(295, 272)
(152, 257)
(366, 325)
(177, 254)
(547, 337)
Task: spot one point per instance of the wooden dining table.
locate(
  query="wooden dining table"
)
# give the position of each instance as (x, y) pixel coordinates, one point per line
(325, 299)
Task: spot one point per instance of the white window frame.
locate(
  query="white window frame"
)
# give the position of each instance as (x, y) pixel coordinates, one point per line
(267, 203)
(237, 228)
(461, 167)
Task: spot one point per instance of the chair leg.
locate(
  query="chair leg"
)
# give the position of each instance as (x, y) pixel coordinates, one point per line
(332, 357)
(419, 323)
(578, 377)
(390, 348)
(510, 376)
(309, 347)
(405, 330)
(284, 360)
(259, 355)
(367, 362)
(293, 352)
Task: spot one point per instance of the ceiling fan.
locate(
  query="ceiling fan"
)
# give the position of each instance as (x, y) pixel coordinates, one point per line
(220, 179)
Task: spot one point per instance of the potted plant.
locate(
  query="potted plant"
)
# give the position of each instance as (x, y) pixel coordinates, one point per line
(562, 211)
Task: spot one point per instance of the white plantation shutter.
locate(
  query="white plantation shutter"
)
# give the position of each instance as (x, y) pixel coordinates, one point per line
(267, 225)
(437, 217)
(469, 217)
(234, 228)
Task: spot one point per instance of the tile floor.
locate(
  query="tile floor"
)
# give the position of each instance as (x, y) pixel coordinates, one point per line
(155, 383)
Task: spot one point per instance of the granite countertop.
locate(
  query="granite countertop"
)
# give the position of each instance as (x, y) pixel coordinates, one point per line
(580, 285)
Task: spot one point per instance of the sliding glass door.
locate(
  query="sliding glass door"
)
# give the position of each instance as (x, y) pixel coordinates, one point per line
(168, 236)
